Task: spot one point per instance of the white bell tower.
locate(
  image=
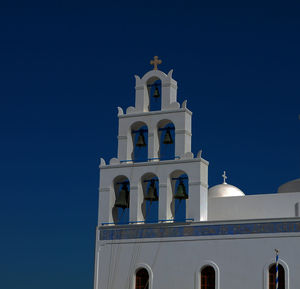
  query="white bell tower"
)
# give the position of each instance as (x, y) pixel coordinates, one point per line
(125, 168)
(155, 183)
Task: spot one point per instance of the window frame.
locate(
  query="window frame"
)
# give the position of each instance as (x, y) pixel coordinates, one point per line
(136, 269)
(201, 267)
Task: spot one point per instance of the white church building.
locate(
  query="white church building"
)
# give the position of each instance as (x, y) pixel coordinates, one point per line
(160, 225)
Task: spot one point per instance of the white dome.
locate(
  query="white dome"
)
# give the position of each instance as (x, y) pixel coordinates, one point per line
(224, 190)
(290, 187)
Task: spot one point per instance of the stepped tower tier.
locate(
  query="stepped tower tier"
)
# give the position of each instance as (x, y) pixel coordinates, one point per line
(142, 115)
(155, 177)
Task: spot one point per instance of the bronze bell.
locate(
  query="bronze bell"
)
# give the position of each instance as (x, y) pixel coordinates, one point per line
(141, 140)
(152, 193)
(168, 138)
(180, 192)
(156, 93)
(122, 199)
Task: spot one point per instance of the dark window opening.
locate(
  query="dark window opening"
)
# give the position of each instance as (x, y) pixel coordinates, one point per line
(142, 279)
(272, 277)
(208, 278)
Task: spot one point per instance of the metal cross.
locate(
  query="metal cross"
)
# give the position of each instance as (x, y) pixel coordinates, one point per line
(224, 177)
(155, 62)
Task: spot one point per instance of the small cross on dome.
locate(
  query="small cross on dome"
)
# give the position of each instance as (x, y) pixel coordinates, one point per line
(224, 177)
(155, 62)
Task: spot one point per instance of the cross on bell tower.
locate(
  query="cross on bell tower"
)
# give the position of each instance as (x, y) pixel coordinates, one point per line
(155, 62)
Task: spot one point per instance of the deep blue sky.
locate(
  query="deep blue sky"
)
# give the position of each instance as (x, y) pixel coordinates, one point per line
(64, 68)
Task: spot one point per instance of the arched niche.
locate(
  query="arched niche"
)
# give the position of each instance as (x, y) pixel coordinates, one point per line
(166, 137)
(168, 90)
(179, 183)
(134, 274)
(139, 136)
(208, 266)
(150, 185)
(121, 187)
(154, 90)
(269, 271)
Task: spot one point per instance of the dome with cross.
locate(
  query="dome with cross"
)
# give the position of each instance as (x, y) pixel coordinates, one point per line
(224, 190)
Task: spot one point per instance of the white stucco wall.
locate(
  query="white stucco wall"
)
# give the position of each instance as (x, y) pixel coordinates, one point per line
(254, 207)
(240, 261)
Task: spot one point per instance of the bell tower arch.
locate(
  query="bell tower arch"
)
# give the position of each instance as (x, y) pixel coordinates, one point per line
(168, 90)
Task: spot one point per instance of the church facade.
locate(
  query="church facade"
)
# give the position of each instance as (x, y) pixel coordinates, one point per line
(160, 226)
